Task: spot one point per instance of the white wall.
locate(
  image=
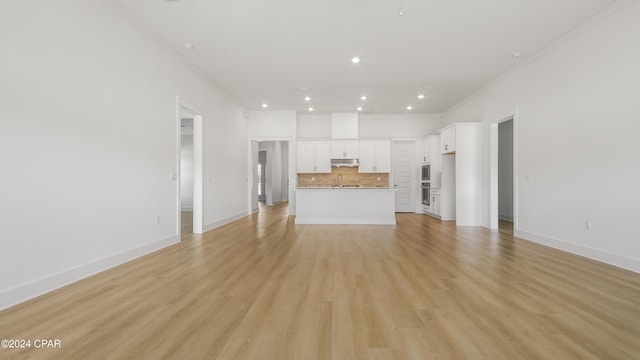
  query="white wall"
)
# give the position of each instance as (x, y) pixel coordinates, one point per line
(186, 172)
(314, 126)
(576, 134)
(266, 124)
(89, 139)
(505, 170)
(398, 126)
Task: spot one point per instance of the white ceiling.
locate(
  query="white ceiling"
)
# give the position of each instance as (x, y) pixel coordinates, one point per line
(265, 50)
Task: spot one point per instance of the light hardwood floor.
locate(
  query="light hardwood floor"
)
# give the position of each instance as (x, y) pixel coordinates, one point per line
(186, 220)
(264, 288)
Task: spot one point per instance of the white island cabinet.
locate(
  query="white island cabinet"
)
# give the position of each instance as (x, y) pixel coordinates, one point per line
(345, 206)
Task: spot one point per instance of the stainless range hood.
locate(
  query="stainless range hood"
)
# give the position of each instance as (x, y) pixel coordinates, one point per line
(345, 163)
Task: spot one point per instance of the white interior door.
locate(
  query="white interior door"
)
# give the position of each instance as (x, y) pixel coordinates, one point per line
(403, 174)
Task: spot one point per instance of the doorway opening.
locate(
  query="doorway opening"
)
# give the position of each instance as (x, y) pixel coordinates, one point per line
(270, 173)
(262, 170)
(190, 184)
(503, 216)
(186, 174)
(505, 176)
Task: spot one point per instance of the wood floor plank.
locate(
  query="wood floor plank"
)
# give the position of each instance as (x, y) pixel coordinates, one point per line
(264, 288)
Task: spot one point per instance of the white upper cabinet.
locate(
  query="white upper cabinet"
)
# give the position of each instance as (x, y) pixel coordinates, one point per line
(375, 156)
(383, 156)
(313, 157)
(448, 140)
(344, 125)
(306, 157)
(344, 149)
(426, 150)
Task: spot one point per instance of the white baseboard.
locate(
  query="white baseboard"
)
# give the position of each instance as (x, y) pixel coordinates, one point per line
(225, 221)
(253, 211)
(42, 286)
(506, 217)
(595, 254)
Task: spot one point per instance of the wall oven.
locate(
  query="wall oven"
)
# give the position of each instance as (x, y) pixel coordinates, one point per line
(426, 172)
(426, 196)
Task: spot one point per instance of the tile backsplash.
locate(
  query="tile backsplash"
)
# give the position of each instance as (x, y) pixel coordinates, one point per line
(350, 176)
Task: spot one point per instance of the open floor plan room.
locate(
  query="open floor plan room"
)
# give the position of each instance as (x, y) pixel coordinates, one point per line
(363, 179)
(264, 288)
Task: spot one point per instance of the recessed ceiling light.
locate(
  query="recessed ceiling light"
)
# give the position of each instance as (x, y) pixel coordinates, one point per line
(515, 55)
(359, 108)
(355, 60)
(409, 107)
(363, 97)
(188, 46)
(265, 105)
(421, 96)
(310, 109)
(307, 98)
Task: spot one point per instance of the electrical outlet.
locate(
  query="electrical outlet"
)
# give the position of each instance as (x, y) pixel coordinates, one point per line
(527, 176)
(587, 225)
(157, 220)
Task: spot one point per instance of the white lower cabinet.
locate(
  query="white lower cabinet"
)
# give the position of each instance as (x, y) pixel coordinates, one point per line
(435, 204)
(435, 201)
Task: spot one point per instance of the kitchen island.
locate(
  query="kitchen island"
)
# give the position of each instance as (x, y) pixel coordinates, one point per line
(345, 205)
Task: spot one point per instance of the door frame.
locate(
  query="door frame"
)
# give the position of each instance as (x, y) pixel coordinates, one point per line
(264, 175)
(252, 193)
(494, 190)
(198, 180)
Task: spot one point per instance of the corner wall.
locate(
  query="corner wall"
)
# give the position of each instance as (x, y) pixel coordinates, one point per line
(577, 111)
(89, 142)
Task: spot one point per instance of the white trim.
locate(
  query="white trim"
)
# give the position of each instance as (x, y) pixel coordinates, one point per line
(292, 175)
(198, 170)
(591, 253)
(225, 221)
(44, 285)
(253, 211)
(198, 173)
(494, 216)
